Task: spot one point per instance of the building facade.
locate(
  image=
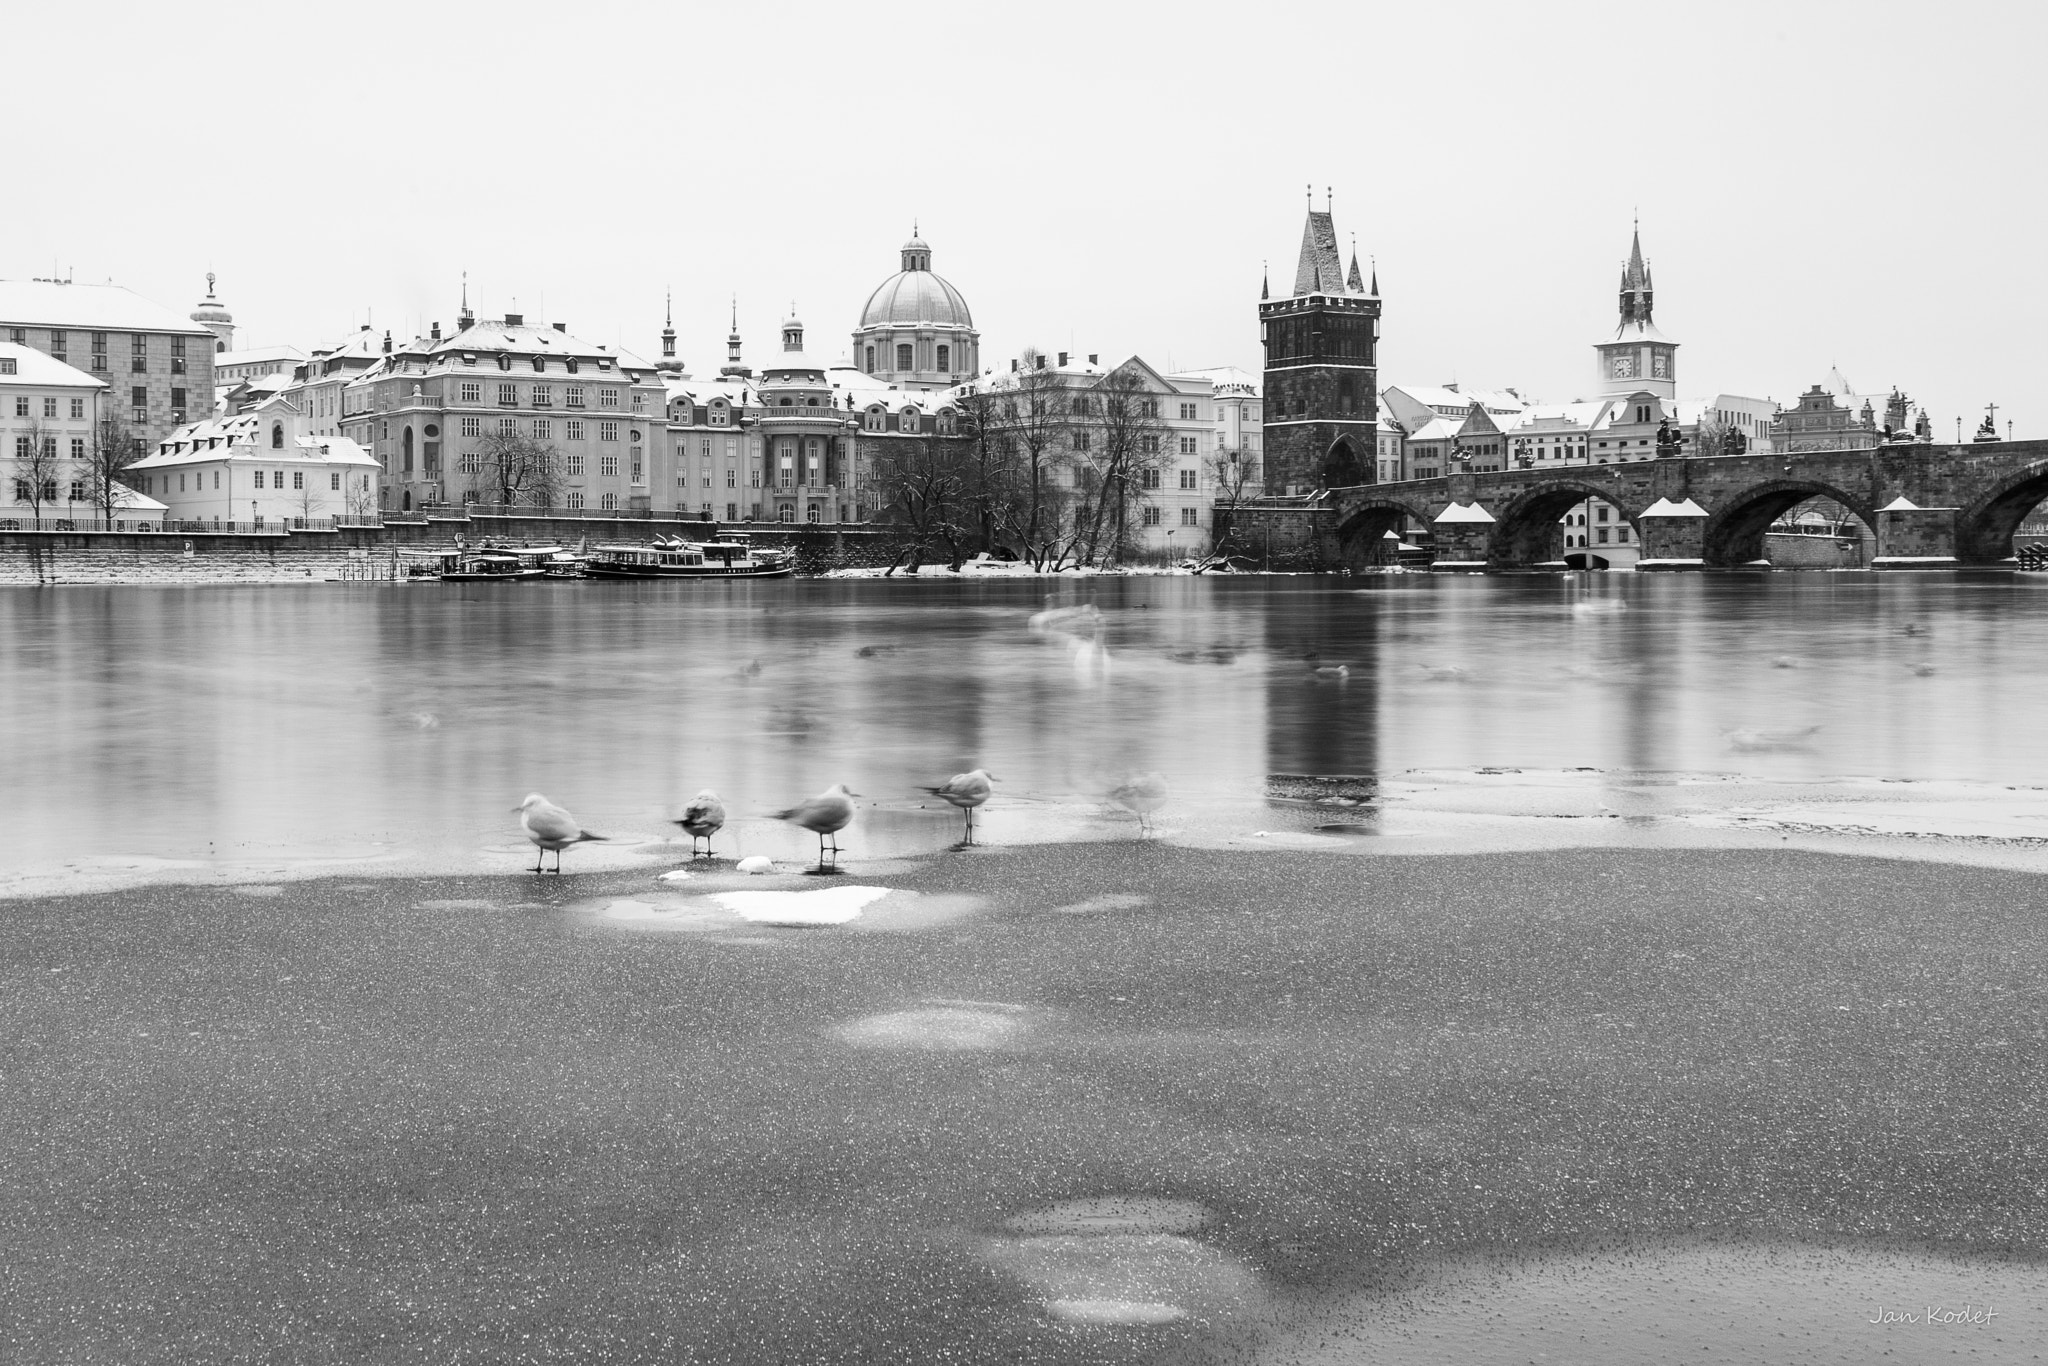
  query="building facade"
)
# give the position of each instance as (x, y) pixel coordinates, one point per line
(1321, 370)
(49, 420)
(258, 469)
(426, 409)
(157, 366)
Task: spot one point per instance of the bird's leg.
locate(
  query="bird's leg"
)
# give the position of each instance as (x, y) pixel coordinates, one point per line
(539, 856)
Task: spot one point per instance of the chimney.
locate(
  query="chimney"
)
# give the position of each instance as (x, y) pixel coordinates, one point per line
(435, 335)
(515, 320)
(561, 327)
(1091, 357)
(1013, 365)
(387, 341)
(1063, 360)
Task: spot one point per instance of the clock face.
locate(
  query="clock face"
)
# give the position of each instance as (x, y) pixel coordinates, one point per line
(1624, 366)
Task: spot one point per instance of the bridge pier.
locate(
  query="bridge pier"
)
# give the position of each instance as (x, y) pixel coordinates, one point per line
(1910, 537)
(1672, 535)
(1463, 535)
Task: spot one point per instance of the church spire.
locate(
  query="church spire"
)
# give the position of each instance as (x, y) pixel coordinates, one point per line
(1265, 281)
(1352, 282)
(668, 326)
(1637, 296)
(464, 319)
(1320, 270)
(1375, 291)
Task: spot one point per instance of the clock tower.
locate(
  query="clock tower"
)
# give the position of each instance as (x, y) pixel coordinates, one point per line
(1321, 394)
(1637, 358)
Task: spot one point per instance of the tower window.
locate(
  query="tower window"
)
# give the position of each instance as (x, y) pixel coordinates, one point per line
(945, 364)
(871, 360)
(903, 361)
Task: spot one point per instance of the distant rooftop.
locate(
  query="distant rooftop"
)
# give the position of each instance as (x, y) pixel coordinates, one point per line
(87, 308)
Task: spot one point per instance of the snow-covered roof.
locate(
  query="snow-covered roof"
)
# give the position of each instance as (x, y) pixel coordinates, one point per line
(1464, 512)
(240, 436)
(1637, 330)
(1900, 504)
(1664, 507)
(33, 367)
(1437, 429)
(1228, 381)
(261, 355)
(104, 308)
(1461, 398)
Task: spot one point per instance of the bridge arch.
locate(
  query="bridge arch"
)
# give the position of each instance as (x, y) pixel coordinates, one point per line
(1984, 529)
(1734, 532)
(1525, 528)
(1365, 528)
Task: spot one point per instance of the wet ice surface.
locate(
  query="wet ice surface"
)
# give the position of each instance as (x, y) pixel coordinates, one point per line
(1768, 1304)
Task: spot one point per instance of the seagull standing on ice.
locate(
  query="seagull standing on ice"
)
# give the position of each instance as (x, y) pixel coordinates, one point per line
(549, 827)
(1142, 793)
(703, 818)
(966, 791)
(825, 815)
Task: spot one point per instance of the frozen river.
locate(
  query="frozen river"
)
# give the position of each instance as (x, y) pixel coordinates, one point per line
(264, 733)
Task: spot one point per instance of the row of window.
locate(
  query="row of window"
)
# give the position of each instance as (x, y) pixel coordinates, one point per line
(540, 395)
(24, 406)
(1188, 516)
(906, 358)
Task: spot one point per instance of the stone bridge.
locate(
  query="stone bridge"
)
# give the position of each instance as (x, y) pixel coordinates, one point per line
(1929, 506)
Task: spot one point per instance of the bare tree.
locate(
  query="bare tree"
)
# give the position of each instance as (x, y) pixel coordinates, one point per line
(311, 504)
(108, 454)
(1030, 412)
(924, 483)
(359, 495)
(512, 469)
(37, 467)
(1125, 454)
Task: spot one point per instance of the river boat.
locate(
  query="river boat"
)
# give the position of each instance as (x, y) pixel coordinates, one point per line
(728, 557)
(496, 566)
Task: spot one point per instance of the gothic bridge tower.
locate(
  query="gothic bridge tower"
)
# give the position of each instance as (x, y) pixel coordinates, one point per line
(1322, 369)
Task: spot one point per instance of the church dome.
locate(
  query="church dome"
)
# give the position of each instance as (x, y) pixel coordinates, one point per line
(210, 309)
(916, 296)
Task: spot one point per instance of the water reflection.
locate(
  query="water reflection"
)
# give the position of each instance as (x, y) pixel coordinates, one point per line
(345, 721)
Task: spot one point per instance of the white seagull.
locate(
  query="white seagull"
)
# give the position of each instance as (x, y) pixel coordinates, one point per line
(703, 818)
(549, 827)
(966, 791)
(825, 815)
(1142, 793)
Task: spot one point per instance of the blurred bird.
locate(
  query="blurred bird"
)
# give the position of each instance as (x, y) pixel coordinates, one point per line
(1747, 741)
(966, 791)
(1443, 673)
(825, 815)
(1141, 794)
(549, 827)
(703, 818)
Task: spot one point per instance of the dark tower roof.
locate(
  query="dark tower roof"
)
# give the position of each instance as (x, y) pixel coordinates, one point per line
(1320, 267)
(1637, 294)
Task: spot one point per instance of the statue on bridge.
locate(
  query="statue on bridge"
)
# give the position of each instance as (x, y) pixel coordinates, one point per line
(1668, 441)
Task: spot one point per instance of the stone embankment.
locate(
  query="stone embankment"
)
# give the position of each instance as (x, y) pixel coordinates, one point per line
(369, 554)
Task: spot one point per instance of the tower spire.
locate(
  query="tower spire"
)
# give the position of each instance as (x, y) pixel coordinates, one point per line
(1265, 280)
(668, 326)
(464, 319)
(1375, 291)
(1352, 283)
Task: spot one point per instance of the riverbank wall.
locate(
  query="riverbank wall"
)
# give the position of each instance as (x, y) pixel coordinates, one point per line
(368, 554)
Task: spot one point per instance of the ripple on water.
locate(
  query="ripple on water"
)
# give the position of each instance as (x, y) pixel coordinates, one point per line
(1809, 1306)
(940, 1027)
(1106, 1275)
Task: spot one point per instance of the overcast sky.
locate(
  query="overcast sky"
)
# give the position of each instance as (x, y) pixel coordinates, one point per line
(1852, 185)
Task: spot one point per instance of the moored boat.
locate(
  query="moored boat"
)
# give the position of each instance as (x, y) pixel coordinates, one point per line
(728, 557)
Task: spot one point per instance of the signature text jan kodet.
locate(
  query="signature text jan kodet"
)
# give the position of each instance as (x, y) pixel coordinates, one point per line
(1935, 1315)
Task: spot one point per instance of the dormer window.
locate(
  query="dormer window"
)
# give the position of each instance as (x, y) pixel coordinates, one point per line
(540, 366)
(504, 362)
(909, 420)
(571, 363)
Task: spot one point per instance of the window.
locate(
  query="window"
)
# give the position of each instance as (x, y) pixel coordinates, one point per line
(470, 462)
(903, 361)
(259, 479)
(472, 392)
(1601, 512)
(574, 428)
(504, 362)
(542, 396)
(786, 513)
(870, 366)
(1081, 441)
(945, 364)
(608, 466)
(573, 396)
(472, 426)
(177, 345)
(1148, 479)
(576, 502)
(508, 396)
(78, 448)
(1190, 445)
(909, 420)
(608, 503)
(1187, 412)
(1190, 516)
(58, 346)
(1601, 535)
(49, 407)
(508, 426)
(607, 398)
(177, 399)
(298, 479)
(732, 512)
(78, 490)
(640, 405)
(1151, 516)
(334, 482)
(77, 409)
(540, 365)
(1621, 534)
(138, 354)
(640, 473)
(607, 431)
(1187, 479)
(543, 430)
(717, 416)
